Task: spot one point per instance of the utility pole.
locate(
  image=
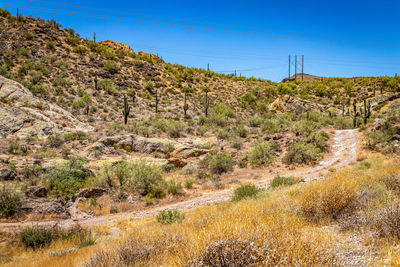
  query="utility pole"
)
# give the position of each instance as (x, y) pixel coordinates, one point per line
(302, 67)
(295, 67)
(235, 73)
(208, 66)
(94, 37)
(289, 69)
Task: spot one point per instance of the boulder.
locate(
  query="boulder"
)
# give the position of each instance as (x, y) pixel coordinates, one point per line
(117, 46)
(91, 192)
(378, 121)
(396, 137)
(7, 174)
(42, 206)
(185, 152)
(178, 163)
(136, 143)
(23, 114)
(37, 191)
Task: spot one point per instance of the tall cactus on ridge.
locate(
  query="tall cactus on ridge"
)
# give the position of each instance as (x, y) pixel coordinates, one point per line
(157, 100)
(186, 90)
(207, 102)
(127, 109)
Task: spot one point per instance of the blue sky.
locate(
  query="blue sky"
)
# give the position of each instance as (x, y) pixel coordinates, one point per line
(251, 52)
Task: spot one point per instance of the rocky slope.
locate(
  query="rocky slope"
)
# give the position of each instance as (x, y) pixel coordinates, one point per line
(22, 114)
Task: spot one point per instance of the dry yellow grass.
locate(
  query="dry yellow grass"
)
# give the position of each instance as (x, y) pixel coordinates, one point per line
(273, 222)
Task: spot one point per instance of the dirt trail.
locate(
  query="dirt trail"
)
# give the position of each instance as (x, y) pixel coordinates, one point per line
(343, 152)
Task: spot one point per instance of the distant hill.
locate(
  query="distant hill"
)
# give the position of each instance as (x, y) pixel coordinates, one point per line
(303, 76)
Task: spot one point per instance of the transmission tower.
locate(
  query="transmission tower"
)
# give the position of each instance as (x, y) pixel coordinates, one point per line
(298, 64)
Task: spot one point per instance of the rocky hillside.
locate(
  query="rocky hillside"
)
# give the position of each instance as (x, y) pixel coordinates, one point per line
(75, 115)
(90, 79)
(23, 114)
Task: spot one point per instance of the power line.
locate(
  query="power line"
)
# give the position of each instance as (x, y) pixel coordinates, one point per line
(245, 70)
(89, 15)
(216, 24)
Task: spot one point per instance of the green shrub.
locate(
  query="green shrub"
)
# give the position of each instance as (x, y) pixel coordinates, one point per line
(319, 139)
(302, 153)
(189, 183)
(10, 201)
(236, 143)
(218, 163)
(282, 181)
(255, 121)
(247, 100)
(36, 76)
(38, 89)
(219, 115)
(342, 123)
(55, 140)
(174, 187)
(87, 241)
(108, 86)
(287, 89)
(241, 131)
(61, 81)
(78, 135)
(271, 126)
(245, 191)
(51, 45)
(304, 127)
(35, 237)
(223, 134)
(261, 154)
(72, 40)
(81, 50)
(170, 217)
(65, 179)
(111, 66)
(175, 128)
(146, 178)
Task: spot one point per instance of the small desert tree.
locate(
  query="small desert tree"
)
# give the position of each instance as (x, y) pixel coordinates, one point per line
(132, 94)
(87, 101)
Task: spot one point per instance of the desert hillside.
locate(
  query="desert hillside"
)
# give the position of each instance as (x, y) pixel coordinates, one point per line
(112, 157)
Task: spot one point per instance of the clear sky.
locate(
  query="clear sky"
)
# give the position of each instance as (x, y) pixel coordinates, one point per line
(259, 53)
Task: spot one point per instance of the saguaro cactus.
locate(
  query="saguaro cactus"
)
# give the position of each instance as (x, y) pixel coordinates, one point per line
(186, 90)
(185, 106)
(95, 82)
(157, 100)
(127, 110)
(355, 114)
(365, 112)
(207, 102)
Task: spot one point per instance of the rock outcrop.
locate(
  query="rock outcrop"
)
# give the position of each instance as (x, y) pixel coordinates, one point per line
(7, 174)
(288, 103)
(117, 46)
(37, 191)
(22, 114)
(91, 192)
